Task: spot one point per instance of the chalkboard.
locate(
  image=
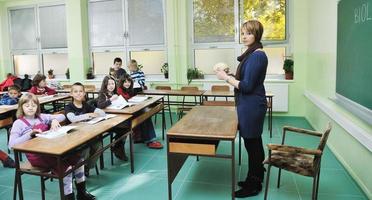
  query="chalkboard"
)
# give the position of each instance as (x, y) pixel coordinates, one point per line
(354, 51)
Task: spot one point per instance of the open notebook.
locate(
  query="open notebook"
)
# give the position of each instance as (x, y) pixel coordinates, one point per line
(56, 133)
(138, 99)
(119, 103)
(98, 119)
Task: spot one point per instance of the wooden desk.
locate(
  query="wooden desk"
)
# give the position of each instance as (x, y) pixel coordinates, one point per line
(87, 91)
(198, 133)
(210, 93)
(151, 106)
(169, 93)
(64, 146)
(42, 100)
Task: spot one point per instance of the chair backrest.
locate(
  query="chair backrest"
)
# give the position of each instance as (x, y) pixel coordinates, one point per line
(220, 88)
(163, 87)
(218, 103)
(65, 87)
(324, 138)
(90, 87)
(189, 88)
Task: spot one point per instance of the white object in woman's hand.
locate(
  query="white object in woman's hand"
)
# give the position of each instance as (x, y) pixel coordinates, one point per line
(221, 75)
(221, 67)
(55, 124)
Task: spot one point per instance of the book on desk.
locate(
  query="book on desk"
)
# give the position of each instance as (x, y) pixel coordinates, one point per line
(98, 119)
(119, 103)
(61, 131)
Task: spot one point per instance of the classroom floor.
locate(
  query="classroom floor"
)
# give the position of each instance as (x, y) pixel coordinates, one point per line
(207, 179)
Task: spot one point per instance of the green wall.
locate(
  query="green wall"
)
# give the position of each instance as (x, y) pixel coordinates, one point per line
(320, 65)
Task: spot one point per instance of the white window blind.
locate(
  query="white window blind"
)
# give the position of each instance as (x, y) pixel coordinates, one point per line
(53, 26)
(23, 29)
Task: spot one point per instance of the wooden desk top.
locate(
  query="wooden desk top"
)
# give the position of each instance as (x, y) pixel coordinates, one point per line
(135, 108)
(173, 92)
(215, 122)
(96, 91)
(78, 136)
(219, 93)
(43, 100)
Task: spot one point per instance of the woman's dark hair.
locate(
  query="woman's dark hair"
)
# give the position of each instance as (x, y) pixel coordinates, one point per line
(254, 27)
(105, 83)
(37, 79)
(122, 80)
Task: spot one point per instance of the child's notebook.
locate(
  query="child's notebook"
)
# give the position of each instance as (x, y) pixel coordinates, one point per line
(56, 133)
(119, 103)
(98, 119)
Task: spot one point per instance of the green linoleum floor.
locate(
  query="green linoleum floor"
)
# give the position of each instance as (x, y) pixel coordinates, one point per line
(206, 179)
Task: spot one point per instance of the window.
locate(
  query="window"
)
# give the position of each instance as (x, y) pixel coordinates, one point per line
(213, 21)
(104, 60)
(133, 27)
(150, 60)
(37, 36)
(216, 36)
(26, 64)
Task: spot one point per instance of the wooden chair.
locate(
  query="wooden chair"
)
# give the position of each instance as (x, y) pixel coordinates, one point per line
(162, 87)
(299, 160)
(183, 109)
(66, 87)
(220, 88)
(270, 114)
(7, 124)
(90, 89)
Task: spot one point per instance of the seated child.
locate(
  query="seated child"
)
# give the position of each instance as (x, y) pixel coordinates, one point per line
(11, 98)
(106, 96)
(39, 86)
(146, 129)
(79, 110)
(137, 76)
(117, 70)
(30, 122)
(6, 160)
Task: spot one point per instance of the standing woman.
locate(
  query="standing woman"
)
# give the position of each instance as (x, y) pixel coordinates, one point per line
(251, 104)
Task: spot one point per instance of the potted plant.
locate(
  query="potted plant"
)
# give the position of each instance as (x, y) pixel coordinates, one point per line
(67, 73)
(90, 73)
(50, 74)
(164, 70)
(288, 68)
(194, 73)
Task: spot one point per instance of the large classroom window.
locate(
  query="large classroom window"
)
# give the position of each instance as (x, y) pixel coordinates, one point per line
(129, 29)
(215, 28)
(38, 39)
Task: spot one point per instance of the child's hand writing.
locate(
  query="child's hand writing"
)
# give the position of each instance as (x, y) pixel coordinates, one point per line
(114, 97)
(54, 125)
(34, 132)
(92, 115)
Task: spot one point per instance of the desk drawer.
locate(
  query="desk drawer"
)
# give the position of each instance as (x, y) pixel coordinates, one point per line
(193, 146)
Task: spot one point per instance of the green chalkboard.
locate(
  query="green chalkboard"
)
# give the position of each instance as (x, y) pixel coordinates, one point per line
(354, 51)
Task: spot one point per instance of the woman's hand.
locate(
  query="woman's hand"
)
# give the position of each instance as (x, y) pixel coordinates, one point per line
(221, 74)
(54, 125)
(114, 97)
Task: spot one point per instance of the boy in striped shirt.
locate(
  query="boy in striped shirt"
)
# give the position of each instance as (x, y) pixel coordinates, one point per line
(137, 76)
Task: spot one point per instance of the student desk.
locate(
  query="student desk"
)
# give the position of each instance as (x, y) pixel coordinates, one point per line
(87, 91)
(62, 147)
(150, 106)
(42, 100)
(198, 133)
(269, 97)
(181, 93)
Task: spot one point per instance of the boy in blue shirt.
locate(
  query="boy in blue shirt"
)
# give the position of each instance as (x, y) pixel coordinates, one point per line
(11, 98)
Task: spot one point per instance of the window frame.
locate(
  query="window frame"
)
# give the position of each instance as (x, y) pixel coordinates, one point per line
(126, 48)
(238, 16)
(38, 51)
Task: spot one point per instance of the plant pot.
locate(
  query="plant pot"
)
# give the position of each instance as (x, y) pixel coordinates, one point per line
(166, 75)
(289, 75)
(68, 76)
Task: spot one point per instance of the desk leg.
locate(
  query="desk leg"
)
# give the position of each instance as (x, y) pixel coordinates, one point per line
(131, 152)
(170, 113)
(233, 169)
(60, 178)
(163, 120)
(271, 117)
(240, 149)
(18, 178)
